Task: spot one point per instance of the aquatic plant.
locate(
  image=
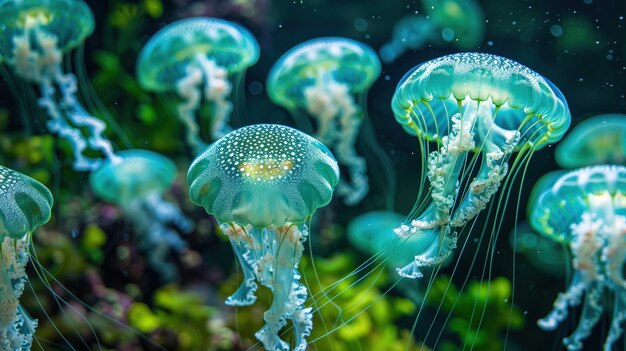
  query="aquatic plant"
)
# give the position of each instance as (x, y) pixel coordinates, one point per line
(470, 103)
(328, 78)
(195, 58)
(136, 183)
(584, 209)
(36, 34)
(469, 328)
(596, 140)
(460, 22)
(25, 204)
(263, 183)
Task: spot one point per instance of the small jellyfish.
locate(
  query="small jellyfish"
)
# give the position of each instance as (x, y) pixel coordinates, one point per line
(195, 58)
(478, 109)
(24, 205)
(329, 79)
(597, 140)
(35, 36)
(136, 182)
(586, 210)
(460, 22)
(263, 183)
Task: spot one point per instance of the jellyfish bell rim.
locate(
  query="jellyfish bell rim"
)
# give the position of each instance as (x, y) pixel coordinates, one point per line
(278, 70)
(148, 76)
(76, 7)
(569, 185)
(232, 197)
(432, 80)
(107, 173)
(32, 209)
(568, 152)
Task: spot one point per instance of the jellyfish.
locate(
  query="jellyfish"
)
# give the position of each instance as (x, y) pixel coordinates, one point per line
(586, 210)
(136, 183)
(36, 34)
(195, 58)
(460, 22)
(479, 109)
(597, 140)
(24, 206)
(263, 183)
(329, 79)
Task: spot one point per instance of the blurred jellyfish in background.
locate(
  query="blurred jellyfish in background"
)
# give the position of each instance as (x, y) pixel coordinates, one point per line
(478, 109)
(328, 79)
(195, 59)
(460, 22)
(586, 210)
(373, 234)
(540, 252)
(136, 184)
(25, 204)
(597, 140)
(35, 35)
(263, 183)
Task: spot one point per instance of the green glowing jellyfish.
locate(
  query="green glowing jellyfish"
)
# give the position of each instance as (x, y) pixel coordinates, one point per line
(136, 182)
(478, 109)
(596, 140)
(34, 37)
(586, 210)
(460, 22)
(24, 205)
(195, 58)
(263, 183)
(328, 78)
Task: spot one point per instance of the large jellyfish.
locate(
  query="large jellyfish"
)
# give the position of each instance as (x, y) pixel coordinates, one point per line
(24, 205)
(597, 140)
(136, 183)
(35, 35)
(586, 210)
(329, 79)
(263, 183)
(195, 58)
(478, 109)
(460, 22)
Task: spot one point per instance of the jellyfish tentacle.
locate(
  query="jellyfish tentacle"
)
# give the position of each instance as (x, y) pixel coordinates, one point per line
(217, 90)
(67, 116)
(188, 89)
(282, 249)
(591, 313)
(245, 293)
(339, 120)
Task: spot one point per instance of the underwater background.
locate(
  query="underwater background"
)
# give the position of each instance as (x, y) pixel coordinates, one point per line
(108, 293)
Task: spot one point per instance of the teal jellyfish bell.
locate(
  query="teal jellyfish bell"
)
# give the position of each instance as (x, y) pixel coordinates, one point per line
(597, 140)
(136, 180)
(136, 174)
(263, 183)
(471, 103)
(25, 204)
(326, 77)
(34, 37)
(586, 210)
(194, 58)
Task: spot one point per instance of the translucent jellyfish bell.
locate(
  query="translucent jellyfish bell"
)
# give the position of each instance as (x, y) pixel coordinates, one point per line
(263, 183)
(597, 140)
(478, 109)
(25, 204)
(136, 182)
(195, 58)
(586, 210)
(329, 78)
(34, 37)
